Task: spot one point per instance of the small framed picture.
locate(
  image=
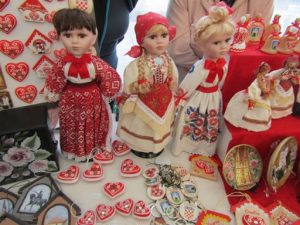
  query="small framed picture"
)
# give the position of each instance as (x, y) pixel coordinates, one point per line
(2, 81)
(5, 100)
(34, 196)
(7, 201)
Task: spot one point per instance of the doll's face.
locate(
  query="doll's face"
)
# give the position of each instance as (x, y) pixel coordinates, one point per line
(78, 41)
(156, 43)
(216, 47)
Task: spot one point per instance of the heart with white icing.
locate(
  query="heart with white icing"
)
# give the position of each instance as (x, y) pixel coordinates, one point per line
(114, 189)
(129, 169)
(95, 173)
(105, 212)
(88, 218)
(69, 176)
(124, 207)
(141, 211)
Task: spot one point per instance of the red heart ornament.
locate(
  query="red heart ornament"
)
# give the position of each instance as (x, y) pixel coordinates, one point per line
(69, 176)
(141, 211)
(49, 16)
(3, 4)
(88, 218)
(11, 48)
(253, 220)
(7, 23)
(95, 173)
(129, 169)
(120, 148)
(53, 35)
(18, 71)
(158, 99)
(26, 94)
(105, 212)
(104, 157)
(60, 53)
(124, 207)
(114, 189)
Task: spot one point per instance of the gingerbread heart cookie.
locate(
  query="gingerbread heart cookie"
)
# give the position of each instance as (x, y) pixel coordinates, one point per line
(18, 71)
(105, 212)
(12, 49)
(129, 169)
(69, 176)
(124, 207)
(141, 211)
(3, 4)
(26, 94)
(7, 23)
(104, 157)
(114, 189)
(88, 218)
(95, 173)
(120, 148)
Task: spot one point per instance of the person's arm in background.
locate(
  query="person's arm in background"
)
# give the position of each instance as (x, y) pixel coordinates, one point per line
(131, 4)
(180, 48)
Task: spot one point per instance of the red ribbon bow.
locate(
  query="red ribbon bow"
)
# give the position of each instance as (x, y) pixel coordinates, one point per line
(215, 68)
(78, 65)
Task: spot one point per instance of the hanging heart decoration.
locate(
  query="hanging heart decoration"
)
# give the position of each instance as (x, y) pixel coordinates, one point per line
(7, 23)
(26, 94)
(141, 210)
(11, 48)
(95, 173)
(129, 169)
(60, 53)
(53, 35)
(69, 176)
(120, 148)
(18, 71)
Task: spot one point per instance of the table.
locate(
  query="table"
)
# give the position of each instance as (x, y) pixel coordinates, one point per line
(240, 75)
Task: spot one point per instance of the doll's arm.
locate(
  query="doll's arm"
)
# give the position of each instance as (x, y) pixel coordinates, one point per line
(55, 82)
(107, 78)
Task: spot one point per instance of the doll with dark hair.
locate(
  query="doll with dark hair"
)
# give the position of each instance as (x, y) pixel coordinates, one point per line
(82, 84)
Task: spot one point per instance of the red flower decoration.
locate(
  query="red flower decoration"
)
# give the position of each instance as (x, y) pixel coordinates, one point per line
(212, 112)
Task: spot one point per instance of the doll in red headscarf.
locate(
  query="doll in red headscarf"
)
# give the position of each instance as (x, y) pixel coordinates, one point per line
(81, 83)
(147, 107)
(199, 95)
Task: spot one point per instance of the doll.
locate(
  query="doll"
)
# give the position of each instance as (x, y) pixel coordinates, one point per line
(81, 83)
(147, 107)
(199, 96)
(282, 98)
(250, 109)
(240, 36)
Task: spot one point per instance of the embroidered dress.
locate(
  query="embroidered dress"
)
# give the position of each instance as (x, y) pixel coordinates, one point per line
(283, 98)
(248, 109)
(197, 122)
(85, 117)
(146, 119)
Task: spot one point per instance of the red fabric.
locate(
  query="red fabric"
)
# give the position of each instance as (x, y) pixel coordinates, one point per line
(240, 75)
(242, 66)
(215, 68)
(207, 89)
(78, 65)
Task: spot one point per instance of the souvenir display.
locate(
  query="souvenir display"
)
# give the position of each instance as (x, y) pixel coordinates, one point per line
(147, 107)
(43, 66)
(88, 218)
(274, 27)
(94, 173)
(282, 162)
(211, 217)
(104, 157)
(250, 212)
(189, 211)
(141, 210)
(104, 212)
(12, 49)
(113, 189)
(82, 83)
(120, 148)
(7, 201)
(242, 167)
(69, 176)
(199, 97)
(129, 169)
(34, 196)
(240, 35)
(27, 93)
(7, 23)
(2, 81)
(251, 109)
(5, 100)
(124, 207)
(85, 5)
(256, 30)
(38, 43)
(33, 11)
(17, 71)
(203, 166)
(59, 210)
(288, 41)
(283, 98)
(281, 215)
(271, 43)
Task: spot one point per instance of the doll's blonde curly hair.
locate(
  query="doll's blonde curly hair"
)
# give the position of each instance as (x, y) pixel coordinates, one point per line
(218, 21)
(142, 85)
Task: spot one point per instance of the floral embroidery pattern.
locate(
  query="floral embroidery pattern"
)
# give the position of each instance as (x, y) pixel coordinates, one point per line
(21, 157)
(199, 126)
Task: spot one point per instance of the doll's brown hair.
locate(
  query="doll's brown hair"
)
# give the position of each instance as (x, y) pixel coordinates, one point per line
(68, 19)
(218, 21)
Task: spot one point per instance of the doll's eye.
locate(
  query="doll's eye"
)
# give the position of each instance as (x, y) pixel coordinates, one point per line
(82, 35)
(216, 42)
(228, 40)
(164, 35)
(152, 36)
(67, 35)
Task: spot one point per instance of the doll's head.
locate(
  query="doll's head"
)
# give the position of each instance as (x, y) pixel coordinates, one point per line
(217, 26)
(76, 29)
(292, 62)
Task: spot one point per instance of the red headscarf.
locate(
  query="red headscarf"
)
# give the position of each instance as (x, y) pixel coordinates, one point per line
(143, 24)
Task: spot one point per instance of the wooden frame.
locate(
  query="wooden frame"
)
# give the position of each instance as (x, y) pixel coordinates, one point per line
(7, 201)
(34, 196)
(60, 209)
(9, 219)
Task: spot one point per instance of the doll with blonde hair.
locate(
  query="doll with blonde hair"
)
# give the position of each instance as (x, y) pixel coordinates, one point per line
(199, 96)
(147, 106)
